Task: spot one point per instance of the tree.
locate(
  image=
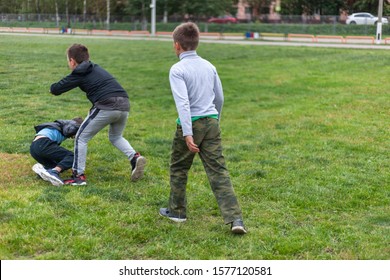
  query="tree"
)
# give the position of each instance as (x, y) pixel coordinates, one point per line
(85, 11)
(207, 8)
(370, 6)
(108, 14)
(168, 8)
(260, 6)
(325, 7)
(57, 14)
(310, 7)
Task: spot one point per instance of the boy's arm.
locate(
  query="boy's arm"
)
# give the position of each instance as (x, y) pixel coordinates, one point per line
(180, 95)
(69, 82)
(219, 99)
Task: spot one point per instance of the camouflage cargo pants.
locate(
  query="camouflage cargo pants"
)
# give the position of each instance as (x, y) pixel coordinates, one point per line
(207, 136)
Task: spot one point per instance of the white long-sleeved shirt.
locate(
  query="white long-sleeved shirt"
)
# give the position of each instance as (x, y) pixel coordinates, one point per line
(196, 89)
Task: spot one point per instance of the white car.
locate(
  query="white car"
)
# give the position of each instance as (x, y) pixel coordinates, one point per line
(364, 18)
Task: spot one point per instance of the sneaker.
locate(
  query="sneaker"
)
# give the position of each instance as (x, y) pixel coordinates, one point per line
(166, 213)
(52, 176)
(38, 169)
(76, 180)
(237, 226)
(137, 167)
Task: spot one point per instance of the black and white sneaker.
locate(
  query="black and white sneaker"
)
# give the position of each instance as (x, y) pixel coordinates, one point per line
(166, 213)
(38, 169)
(138, 163)
(237, 226)
(52, 176)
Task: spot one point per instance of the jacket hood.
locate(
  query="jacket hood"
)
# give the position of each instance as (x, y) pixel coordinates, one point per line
(84, 67)
(68, 128)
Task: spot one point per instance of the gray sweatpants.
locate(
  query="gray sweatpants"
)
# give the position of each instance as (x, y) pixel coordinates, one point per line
(96, 120)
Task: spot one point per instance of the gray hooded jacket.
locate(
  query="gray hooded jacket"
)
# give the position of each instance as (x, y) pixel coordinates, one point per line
(68, 128)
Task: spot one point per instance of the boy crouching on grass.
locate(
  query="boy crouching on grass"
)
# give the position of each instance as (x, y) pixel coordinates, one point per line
(46, 150)
(197, 91)
(110, 107)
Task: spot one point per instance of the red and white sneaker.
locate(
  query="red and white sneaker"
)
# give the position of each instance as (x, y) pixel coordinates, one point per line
(76, 180)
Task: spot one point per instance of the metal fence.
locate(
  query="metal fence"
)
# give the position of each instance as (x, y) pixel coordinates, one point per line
(281, 19)
(325, 25)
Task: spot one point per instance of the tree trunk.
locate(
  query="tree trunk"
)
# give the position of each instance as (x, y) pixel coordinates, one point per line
(38, 9)
(57, 15)
(108, 14)
(144, 21)
(67, 13)
(85, 13)
(165, 19)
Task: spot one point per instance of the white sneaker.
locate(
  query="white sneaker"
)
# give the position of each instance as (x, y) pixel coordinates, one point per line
(54, 179)
(138, 163)
(38, 169)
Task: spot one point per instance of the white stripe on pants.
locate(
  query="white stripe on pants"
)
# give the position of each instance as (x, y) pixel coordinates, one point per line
(98, 119)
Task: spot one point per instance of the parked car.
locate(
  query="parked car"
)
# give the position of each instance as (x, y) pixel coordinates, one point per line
(223, 19)
(364, 18)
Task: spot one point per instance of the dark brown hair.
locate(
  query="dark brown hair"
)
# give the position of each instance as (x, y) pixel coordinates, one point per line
(78, 52)
(78, 120)
(187, 35)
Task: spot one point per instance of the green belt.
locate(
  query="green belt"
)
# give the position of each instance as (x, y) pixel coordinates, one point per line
(198, 117)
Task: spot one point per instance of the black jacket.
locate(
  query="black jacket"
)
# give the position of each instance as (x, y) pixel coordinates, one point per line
(96, 82)
(68, 128)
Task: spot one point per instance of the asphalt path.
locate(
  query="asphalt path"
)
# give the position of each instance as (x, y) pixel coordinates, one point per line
(299, 44)
(216, 41)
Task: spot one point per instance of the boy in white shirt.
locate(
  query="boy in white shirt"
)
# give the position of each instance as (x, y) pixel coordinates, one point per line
(198, 95)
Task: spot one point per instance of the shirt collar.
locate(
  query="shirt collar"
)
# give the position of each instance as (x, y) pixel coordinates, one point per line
(187, 54)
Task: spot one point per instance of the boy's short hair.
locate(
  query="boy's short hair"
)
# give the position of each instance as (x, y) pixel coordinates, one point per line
(78, 120)
(78, 52)
(187, 35)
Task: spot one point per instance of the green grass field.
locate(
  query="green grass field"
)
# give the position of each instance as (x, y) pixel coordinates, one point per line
(305, 135)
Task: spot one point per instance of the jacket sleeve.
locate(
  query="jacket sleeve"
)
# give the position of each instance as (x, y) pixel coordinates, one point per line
(69, 82)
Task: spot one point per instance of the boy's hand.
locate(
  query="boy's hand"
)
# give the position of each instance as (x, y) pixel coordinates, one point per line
(191, 145)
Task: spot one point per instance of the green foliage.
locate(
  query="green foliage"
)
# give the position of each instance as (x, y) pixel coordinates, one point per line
(311, 7)
(129, 7)
(196, 8)
(367, 5)
(305, 132)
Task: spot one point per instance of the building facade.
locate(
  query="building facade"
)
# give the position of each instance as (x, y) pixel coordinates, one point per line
(247, 12)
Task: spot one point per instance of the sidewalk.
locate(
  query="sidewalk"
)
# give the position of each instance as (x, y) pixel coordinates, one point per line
(217, 38)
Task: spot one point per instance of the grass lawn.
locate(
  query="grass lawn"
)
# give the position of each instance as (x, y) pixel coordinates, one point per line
(305, 134)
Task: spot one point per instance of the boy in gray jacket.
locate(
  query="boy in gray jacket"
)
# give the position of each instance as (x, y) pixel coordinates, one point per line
(198, 95)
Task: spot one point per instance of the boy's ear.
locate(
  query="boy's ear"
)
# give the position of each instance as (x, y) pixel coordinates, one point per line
(177, 46)
(73, 62)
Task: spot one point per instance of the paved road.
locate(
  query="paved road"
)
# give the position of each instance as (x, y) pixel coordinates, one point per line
(220, 41)
(300, 44)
